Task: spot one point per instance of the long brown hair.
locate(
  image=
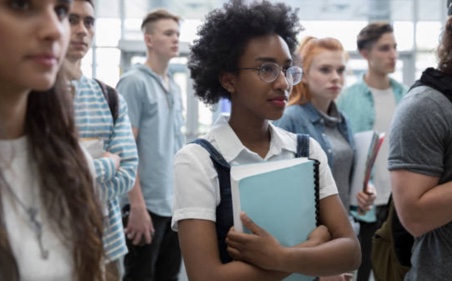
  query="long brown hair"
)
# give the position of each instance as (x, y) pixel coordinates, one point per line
(308, 49)
(67, 187)
(444, 50)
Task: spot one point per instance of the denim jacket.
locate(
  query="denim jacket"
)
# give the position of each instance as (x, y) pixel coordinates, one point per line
(306, 119)
(357, 103)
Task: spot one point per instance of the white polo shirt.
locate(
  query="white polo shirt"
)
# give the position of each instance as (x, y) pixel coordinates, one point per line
(197, 191)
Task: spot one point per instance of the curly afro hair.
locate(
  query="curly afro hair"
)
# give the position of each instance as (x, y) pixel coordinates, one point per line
(223, 38)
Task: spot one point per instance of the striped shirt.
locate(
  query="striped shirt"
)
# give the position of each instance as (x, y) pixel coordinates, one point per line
(95, 121)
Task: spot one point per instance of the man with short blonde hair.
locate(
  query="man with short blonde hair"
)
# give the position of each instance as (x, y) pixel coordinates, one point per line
(155, 110)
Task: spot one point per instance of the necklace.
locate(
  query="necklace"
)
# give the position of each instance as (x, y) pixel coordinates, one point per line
(36, 225)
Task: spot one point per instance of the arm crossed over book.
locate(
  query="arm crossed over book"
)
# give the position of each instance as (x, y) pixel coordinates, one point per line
(281, 197)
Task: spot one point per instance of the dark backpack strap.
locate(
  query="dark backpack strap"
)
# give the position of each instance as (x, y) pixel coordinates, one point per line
(214, 154)
(302, 145)
(403, 240)
(111, 95)
(224, 218)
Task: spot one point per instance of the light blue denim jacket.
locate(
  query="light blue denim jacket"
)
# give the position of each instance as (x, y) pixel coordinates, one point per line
(357, 103)
(305, 119)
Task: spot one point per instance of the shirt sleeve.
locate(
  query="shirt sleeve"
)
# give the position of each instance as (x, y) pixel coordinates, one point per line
(196, 185)
(419, 131)
(133, 91)
(121, 143)
(327, 184)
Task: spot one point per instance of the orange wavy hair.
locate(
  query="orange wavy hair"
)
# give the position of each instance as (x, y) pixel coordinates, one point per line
(309, 48)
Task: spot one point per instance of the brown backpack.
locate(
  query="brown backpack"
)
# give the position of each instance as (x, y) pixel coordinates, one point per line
(391, 249)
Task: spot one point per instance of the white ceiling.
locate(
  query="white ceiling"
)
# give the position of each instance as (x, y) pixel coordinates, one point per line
(350, 10)
(428, 10)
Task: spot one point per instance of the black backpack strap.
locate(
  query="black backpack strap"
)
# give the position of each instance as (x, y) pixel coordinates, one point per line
(302, 148)
(403, 240)
(214, 154)
(302, 145)
(224, 219)
(111, 95)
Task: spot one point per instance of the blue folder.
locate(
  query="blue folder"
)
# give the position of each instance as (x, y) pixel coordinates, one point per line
(281, 197)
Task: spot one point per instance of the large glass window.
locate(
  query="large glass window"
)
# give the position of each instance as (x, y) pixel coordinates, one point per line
(340, 19)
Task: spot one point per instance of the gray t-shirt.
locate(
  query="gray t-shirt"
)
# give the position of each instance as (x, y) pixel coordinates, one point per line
(343, 158)
(421, 142)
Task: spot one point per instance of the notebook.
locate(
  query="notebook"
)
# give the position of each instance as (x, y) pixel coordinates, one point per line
(367, 145)
(280, 196)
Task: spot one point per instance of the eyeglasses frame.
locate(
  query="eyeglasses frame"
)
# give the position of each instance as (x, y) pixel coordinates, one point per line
(281, 69)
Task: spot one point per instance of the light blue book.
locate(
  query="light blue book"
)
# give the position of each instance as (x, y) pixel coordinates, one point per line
(281, 197)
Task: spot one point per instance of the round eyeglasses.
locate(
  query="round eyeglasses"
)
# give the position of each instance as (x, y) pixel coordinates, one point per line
(270, 71)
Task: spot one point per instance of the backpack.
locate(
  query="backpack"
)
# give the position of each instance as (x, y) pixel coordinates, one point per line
(392, 243)
(111, 96)
(224, 220)
(391, 248)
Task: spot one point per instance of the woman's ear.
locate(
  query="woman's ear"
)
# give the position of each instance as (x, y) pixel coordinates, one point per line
(227, 81)
(304, 79)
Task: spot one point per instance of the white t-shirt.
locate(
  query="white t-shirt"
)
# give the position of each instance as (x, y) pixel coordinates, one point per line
(196, 182)
(19, 170)
(384, 104)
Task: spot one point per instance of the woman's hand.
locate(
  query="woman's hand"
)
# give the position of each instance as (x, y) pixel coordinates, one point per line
(262, 249)
(259, 248)
(366, 199)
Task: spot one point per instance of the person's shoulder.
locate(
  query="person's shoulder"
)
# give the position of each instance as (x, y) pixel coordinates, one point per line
(297, 110)
(353, 89)
(90, 86)
(286, 139)
(192, 153)
(291, 111)
(315, 150)
(397, 83)
(422, 96)
(284, 134)
(85, 80)
(402, 88)
(134, 74)
(422, 103)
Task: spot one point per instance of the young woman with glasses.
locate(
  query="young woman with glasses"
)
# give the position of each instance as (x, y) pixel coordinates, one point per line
(50, 218)
(244, 54)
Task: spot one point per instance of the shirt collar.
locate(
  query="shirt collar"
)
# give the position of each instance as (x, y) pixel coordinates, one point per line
(232, 148)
